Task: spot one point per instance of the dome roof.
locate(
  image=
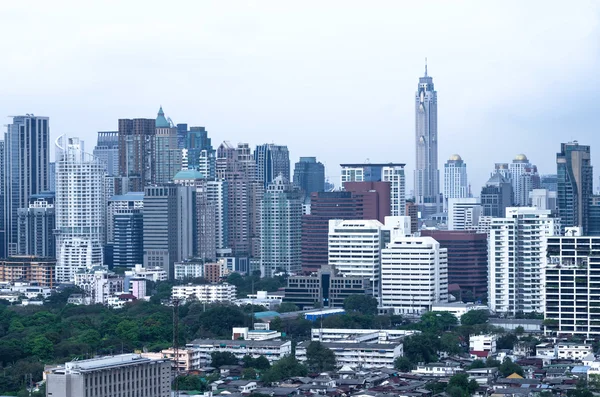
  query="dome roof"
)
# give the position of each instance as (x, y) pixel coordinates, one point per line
(520, 157)
(161, 121)
(455, 157)
(188, 174)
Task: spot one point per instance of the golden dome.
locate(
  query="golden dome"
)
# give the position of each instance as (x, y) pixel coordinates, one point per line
(455, 157)
(520, 157)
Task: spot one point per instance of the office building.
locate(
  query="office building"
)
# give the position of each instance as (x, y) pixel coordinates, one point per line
(467, 260)
(393, 173)
(549, 182)
(136, 138)
(575, 184)
(412, 211)
(206, 293)
(111, 376)
(372, 198)
(496, 195)
(107, 151)
(572, 286)
(169, 225)
(36, 225)
(543, 199)
(166, 157)
(271, 161)
(237, 167)
(24, 175)
(31, 269)
(125, 219)
(80, 208)
(325, 288)
(517, 259)
(427, 180)
(281, 221)
(414, 275)
(201, 155)
(99, 284)
(309, 176)
(524, 178)
(51, 176)
(455, 179)
(464, 213)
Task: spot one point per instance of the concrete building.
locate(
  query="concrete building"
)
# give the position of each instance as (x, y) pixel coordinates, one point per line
(455, 179)
(517, 259)
(271, 161)
(483, 343)
(414, 275)
(36, 225)
(80, 209)
(358, 355)
(125, 227)
(524, 178)
(111, 376)
(152, 274)
(496, 195)
(572, 286)
(309, 176)
(40, 271)
(273, 350)
(207, 293)
(190, 268)
(99, 284)
(467, 260)
(136, 137)
(166, 156)
(359, 335)
(261, 332)
(463, 213)
(24, 175)
(543, 199)
(281, 221)
(575, 184)
(201, 155)
(107, 151)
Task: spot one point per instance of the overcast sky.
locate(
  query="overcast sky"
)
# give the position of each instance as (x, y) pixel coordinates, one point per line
(332, 79)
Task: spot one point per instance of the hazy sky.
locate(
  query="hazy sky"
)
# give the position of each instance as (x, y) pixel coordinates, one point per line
(332, 79)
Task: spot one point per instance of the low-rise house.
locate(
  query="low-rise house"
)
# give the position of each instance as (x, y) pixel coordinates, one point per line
(243, 386)
(483, 376)
(437, 369)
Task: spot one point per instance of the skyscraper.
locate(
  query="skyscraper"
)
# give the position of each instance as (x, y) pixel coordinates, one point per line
(107, 151)
(281, 220)
(309, 176)
(524, 178)
(271, 161)
(136, 138)
(166, 155)
(496, 196)
(455, 179)
(36, 227)
(80, 209)
(427, 185)
(126, 226)
(26, 156)
(575, 184)
(517, 259)
(201, 155)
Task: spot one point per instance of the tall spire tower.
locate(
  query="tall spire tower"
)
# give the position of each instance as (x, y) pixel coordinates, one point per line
(427, 179)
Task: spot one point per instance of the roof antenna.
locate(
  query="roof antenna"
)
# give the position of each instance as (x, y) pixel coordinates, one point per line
(425, 66)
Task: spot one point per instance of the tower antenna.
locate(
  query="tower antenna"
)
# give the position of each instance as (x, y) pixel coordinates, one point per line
(425, 66)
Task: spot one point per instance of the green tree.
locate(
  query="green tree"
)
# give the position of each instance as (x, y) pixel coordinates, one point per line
(191, 382)
(284, 368)
(421, 348)
(41, 347)
(450, 343)
(219, 359)
(473, 317)
(261, 363)
(437, 322)
(320, 358)
(364, 304)
(249, 374)
(459, 385)
(507, 341)
(519, 330)
(403, 364)
(508, 368)
(287, 307)
(477, 364)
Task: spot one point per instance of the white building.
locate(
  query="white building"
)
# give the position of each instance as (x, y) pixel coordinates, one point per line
(137, 287)
(189, 269)
(464, 213)
(517, 259)
(524, 178)
(437, 369)
(207, 293)
(483, 343)
(394, 174)
(458, 308)
(273, 350)
(563, 351)
(152, 273)
(125, 374)
(80, 209)
(99, 284)
(261, 331)
(543, 199)
(358, 355)
(455, 179)
(347, 335)
(414, 274)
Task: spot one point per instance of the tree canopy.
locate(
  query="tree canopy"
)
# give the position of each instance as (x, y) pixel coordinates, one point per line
(364, 304)
(319, 358)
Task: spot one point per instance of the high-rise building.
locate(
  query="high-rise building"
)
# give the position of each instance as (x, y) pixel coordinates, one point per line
(455, 179)
(237, 167)
(496, 196)
(169, 225)
(390, 172)
(107, 151)
(36, 227)
(271, 161)
(373, 199)
(414, 275)
(80, 208)
(125, 223)
(464, 213)
(52, 176)
(26, 159)
(309, 176)
(136, 138)
(467, 260)
(201, 155)
(182, 133)
(543, 199)
(281, 221)
(427, 179)
(524, 178)
(549, 182)
(166, 156)
(412, 211)
(572, 286)
(575, 184)
(517, 259)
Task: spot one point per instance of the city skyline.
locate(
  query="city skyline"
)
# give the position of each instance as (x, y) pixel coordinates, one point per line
(260, 72)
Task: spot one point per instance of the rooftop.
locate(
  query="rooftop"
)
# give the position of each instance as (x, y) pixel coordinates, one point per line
(106, 362)
(236, 343)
